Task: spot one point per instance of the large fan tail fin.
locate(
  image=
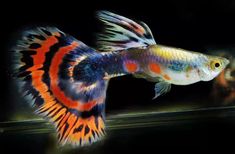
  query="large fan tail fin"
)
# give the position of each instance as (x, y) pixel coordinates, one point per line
(47, 59)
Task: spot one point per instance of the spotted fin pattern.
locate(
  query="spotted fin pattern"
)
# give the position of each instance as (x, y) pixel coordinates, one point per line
(122, 33)
(47, 59)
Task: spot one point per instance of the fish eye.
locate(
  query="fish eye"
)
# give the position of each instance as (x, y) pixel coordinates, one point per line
(217, 65)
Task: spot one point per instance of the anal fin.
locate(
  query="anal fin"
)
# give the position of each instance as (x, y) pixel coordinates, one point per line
(161, 87)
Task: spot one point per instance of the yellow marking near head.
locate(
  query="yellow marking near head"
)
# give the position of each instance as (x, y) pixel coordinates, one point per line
(170, 53)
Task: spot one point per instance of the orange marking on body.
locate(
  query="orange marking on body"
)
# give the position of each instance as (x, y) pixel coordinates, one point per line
(166, 77)
(131, 67)
(53, 73)
(154, 67)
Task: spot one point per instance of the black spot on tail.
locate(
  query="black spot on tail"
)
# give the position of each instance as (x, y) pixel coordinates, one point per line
(79, 129)
(40, 37)
(45, 31)
(87, 130)
(34, 46)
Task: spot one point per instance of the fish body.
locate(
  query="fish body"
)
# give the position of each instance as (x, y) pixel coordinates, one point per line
(158, 62)
(67, 80)
(178, 66)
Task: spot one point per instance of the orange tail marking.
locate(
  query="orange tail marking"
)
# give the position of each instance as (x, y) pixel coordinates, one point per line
(63, 120)
(60, 115)
(86, 130)
(38, 60)
(54, 109)
(66, 127)
(53, 72)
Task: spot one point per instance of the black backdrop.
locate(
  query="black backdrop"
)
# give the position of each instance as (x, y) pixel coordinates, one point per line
(192, 25)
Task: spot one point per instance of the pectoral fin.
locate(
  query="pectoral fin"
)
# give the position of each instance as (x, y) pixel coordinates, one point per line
(161, 88)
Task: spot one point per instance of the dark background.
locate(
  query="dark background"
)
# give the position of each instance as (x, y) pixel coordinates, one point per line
(192, 25)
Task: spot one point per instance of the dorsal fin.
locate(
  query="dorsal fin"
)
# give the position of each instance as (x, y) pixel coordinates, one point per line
(122, 33)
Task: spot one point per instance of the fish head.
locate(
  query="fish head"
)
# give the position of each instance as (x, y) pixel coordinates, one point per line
(211, 67)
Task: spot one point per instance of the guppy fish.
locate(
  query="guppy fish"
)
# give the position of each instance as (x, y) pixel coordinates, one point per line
(67, 80)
